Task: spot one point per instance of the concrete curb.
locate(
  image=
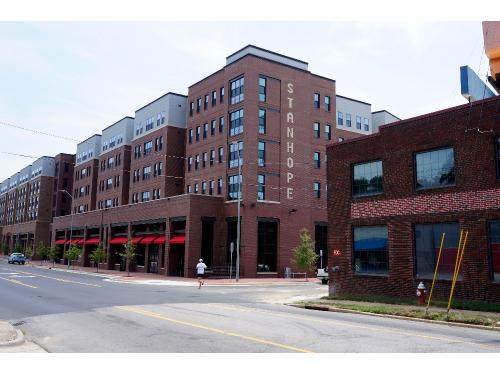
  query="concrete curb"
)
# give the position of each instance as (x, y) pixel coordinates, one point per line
(340, 310)
(19, 340)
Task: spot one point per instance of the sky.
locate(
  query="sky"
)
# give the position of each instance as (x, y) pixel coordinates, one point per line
(75, 79)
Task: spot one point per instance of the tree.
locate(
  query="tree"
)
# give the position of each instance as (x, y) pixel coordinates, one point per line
(18, 248)
(41, 251)
(4, 249)
(129, 254)
(72, 254)
(28, 253)
(52, 255)
(304, 257)
(98, 255)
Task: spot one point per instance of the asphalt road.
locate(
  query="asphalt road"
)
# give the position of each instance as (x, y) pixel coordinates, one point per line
(71, 312)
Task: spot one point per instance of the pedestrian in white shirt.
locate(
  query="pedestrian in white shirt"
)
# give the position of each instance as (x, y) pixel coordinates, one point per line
(200, 272)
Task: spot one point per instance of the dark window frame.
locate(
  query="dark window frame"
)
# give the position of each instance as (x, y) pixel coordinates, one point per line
(361, 195)
(415, 177)
(370, 274)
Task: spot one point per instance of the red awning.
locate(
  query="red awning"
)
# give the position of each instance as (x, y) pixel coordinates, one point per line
(136, 239)
(75, 241)
(119, 240)
(60, 242)
(92, 241)
(159, 240)
(179, 239)
(146, 240)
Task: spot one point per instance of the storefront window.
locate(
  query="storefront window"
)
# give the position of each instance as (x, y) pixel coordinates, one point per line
(267, 246)
(495, 249)
(427, 243)
(370, 250)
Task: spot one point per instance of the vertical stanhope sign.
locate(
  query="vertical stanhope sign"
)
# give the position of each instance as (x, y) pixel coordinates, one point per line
(289, 141)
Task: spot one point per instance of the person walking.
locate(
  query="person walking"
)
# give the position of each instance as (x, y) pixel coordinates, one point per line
(200, 272)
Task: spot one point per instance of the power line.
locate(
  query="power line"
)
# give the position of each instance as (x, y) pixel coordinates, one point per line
(37, 131)
(24, 156)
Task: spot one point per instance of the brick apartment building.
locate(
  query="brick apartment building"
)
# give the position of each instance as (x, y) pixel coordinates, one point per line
(31, 198)
(391, 195)
(168, 177)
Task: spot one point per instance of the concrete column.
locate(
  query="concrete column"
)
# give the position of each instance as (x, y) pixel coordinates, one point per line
(107, 235)
(84, 261)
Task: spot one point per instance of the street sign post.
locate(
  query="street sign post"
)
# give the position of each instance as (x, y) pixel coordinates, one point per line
(231, 249)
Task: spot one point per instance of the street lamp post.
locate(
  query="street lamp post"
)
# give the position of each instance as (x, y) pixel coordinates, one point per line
(71, 223)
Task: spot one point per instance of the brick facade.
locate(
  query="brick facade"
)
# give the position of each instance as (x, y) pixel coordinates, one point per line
(473, 200)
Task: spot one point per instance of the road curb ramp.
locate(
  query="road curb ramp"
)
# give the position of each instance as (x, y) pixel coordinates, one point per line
(9, 335)
(341, 310)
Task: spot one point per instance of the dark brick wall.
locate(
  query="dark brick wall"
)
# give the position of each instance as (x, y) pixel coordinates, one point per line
(474, 200)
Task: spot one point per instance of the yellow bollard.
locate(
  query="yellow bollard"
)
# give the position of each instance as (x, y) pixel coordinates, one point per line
(460, 255)
(435, 273)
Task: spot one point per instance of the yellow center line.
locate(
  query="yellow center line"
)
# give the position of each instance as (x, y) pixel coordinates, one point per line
(211, 329)
(18, 282)
(364, 327)
(62, 280)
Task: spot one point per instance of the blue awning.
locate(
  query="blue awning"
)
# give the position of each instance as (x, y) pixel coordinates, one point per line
(371, 244)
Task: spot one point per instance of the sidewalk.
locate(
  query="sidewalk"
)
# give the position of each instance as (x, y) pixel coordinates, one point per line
(12, 341)
(152, 278)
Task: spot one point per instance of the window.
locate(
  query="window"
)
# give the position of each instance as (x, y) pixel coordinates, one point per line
(262, 89)
(328, 132)
(158, 143)
(111, 162)
(196, 161)
(204, 160)
(340, 118)
(261, 191)
(205, 130)
(316, 129)
(316, 100)
(221, 124)
(235, 154)
(196, 188)
(160, 168)
(341, 139)
(234, 187)
(427, 243)
(188, 189)
(370, 250)
(190, 137)
(212, 157)
(108, 203)
(317, 189)
(203, 187)
(109, 183)
(327, 103)
(214, 98)
(221, 154)
(435, 168)
(145, 196)
(198, 132)
(205, 105)
(158, 119)
(367, 179)
(236, 122)
(367, 124)
(237, 90)
(348, 119)
(317, 159)
(191, 109)
(211, 187)
(494, 236)
(358, 122)
(221, 96)
(198, 105)
(150, 123)
(219, 186)
(190, 163)
(262, 154)
(148, 148)
(212, 127)
(262, 121)
(146, 173)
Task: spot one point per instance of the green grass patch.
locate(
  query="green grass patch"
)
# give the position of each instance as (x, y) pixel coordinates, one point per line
(458, 305)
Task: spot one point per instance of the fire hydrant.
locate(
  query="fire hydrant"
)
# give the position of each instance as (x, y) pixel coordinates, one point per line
(421, 293)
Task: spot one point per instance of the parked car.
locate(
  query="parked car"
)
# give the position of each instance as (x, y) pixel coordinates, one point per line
(322, 274)
(16, 258)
